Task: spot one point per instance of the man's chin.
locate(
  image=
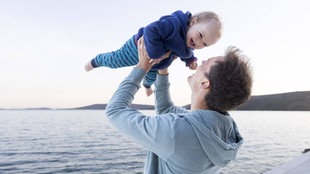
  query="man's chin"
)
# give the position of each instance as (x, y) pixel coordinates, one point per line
(189, 79)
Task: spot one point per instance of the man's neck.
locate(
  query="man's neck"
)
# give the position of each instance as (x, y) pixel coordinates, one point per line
(198, 103)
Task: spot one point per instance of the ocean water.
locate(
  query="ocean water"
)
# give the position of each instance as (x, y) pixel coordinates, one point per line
(82, 141)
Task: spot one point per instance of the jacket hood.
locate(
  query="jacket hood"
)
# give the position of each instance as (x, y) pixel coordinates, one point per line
(218, 135)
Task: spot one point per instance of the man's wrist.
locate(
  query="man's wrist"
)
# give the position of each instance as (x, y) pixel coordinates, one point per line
(163, 72)
(145, 68)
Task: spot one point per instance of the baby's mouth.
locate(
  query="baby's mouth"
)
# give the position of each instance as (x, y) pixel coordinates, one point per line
(192, 43)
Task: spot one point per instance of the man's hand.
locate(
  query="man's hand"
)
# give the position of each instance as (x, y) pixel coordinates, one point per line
(145, 62)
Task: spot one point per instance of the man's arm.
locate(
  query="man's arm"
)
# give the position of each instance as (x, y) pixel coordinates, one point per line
(163, 102)
(124, 95)
(153, 132)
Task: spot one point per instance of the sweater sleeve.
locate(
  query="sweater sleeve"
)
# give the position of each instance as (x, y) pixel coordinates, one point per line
(124, 95)
(163, 102)
(153, 132)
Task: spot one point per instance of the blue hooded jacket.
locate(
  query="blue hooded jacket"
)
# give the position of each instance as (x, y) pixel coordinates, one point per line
(168, 34)
(178, 141)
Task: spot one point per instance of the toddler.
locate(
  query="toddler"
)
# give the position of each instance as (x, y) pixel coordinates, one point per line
(179, 33)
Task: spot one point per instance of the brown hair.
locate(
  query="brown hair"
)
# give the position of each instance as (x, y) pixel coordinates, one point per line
(231, 81)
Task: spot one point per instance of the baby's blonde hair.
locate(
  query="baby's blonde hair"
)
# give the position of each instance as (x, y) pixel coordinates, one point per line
(209, 16)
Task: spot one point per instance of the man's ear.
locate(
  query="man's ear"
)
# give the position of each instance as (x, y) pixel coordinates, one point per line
(205, 84)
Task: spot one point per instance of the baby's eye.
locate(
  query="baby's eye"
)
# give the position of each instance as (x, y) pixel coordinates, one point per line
(200, 35)
(205, 44)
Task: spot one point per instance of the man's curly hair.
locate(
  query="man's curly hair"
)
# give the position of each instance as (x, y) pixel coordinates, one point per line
(231, 81)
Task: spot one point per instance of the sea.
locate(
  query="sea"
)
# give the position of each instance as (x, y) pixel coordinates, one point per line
(83, 141)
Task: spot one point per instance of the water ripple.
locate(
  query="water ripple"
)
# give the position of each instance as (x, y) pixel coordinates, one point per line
(60, 142)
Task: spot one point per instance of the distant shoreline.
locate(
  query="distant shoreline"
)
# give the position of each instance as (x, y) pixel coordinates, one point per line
(292, 101)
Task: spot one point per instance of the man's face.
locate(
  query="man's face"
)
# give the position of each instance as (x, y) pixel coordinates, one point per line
(199, 76)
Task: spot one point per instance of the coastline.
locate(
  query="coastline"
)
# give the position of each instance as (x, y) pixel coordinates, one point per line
(291, 101)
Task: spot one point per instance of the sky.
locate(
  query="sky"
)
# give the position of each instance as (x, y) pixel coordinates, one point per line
(44, 46)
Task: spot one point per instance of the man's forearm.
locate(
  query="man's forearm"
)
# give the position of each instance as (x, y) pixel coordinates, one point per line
(162, 94)
(124, 95)
(163, 102)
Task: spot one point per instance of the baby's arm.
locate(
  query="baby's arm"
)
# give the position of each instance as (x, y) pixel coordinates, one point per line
(191, 62)
(193, 65)
(155, 34)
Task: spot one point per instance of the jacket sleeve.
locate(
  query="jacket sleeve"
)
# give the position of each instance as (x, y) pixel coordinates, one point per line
(163, 102)
(153, 132)
(155, 33)
(188, 61)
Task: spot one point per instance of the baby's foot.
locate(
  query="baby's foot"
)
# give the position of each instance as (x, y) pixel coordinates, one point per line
(149, 91)
(88, 66)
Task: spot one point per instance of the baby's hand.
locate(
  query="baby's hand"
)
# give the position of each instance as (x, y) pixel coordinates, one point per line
(193, 65)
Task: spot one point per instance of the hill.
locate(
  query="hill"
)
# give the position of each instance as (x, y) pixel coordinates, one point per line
(292, 101)
(103, 106)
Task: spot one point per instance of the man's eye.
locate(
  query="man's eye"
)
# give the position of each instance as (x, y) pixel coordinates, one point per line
(200, 35)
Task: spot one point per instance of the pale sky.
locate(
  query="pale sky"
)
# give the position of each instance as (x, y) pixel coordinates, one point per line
(45, 44)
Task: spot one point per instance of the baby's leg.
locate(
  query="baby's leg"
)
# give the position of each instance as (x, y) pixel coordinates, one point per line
(149, 91)
(88, 66)
(148, 81)
(127, 55)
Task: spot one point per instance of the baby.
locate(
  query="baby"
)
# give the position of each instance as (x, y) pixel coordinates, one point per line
(179, 33)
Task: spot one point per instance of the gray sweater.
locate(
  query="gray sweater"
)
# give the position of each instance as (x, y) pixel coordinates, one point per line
(177, 140)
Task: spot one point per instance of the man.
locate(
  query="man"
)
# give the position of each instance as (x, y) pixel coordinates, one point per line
(201, 140)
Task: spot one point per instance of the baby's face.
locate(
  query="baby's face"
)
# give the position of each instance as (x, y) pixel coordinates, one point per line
(201, 34)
